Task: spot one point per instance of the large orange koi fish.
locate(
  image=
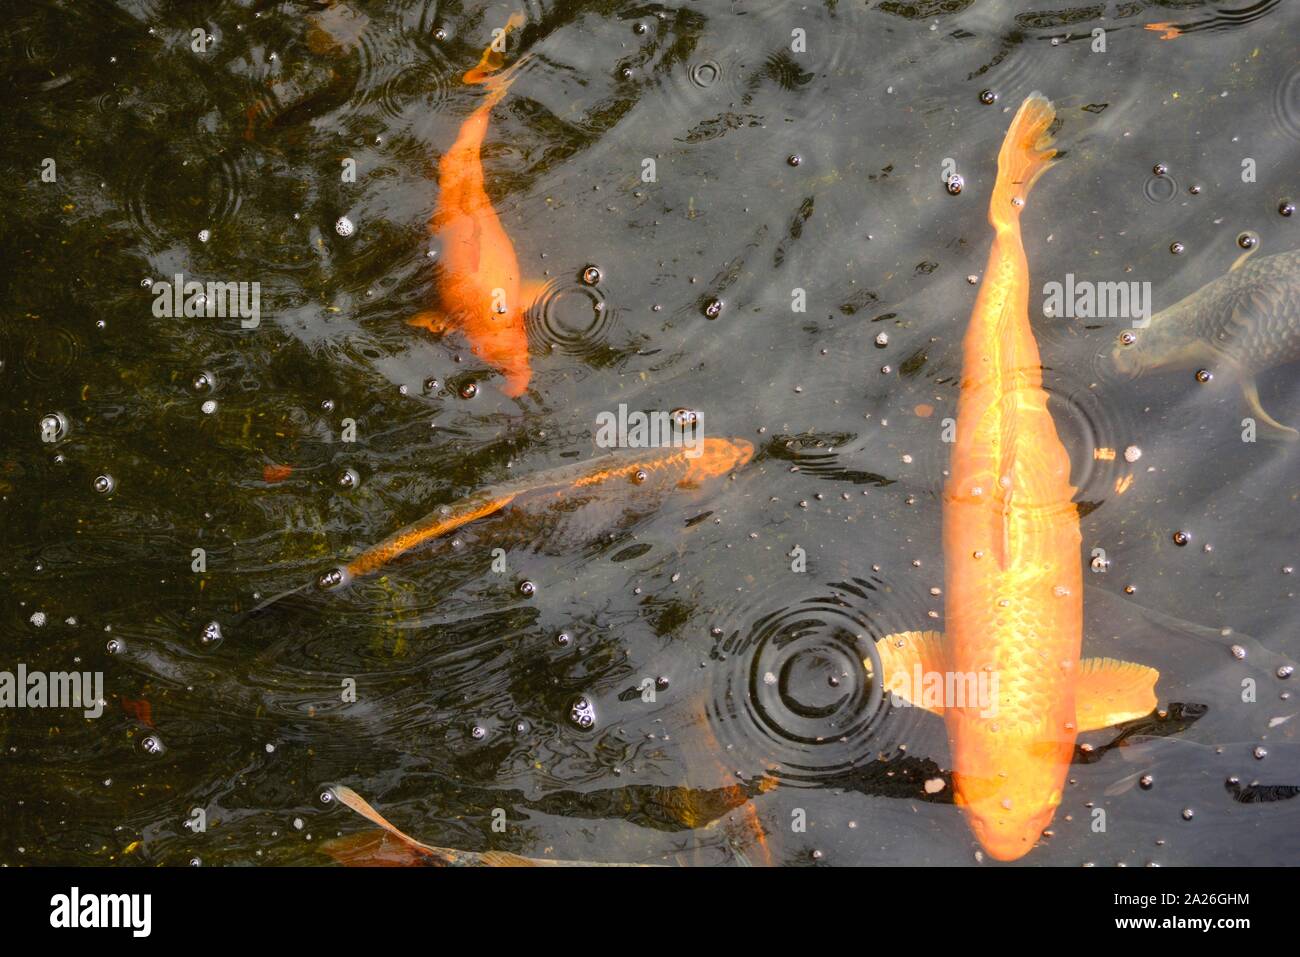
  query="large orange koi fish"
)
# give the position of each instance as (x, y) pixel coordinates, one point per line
(480, 292)
(1011, 686)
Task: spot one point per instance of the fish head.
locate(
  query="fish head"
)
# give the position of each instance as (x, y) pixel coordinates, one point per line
(1009, 788)
(1128, 353)
(1166, 342)
(718, 457)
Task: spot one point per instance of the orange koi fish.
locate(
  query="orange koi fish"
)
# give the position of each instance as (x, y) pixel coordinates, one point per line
(1015, 693)
(714, 458)
(656, 468)
(480, 291)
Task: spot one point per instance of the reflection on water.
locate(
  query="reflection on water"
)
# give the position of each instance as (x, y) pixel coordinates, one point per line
(734, 208)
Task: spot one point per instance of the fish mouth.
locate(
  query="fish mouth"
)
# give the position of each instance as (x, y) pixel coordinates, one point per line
(1125, 358)
(1005, 840)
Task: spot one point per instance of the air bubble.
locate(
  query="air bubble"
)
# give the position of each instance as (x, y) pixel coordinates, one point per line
(54, 427)
(344, 227)
(954, 184)
(331, 578)
(583, 714)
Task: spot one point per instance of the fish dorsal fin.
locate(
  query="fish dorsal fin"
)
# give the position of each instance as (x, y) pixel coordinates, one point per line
(1110, 691)
(901, 655)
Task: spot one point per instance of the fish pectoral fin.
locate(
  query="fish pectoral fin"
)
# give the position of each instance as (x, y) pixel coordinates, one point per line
(1251, 393)
(906, 657)
(1110, 692)
(1241, 260)
(435, 322)
(532, 292)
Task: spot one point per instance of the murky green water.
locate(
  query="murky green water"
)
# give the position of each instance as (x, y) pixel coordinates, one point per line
(799, 154)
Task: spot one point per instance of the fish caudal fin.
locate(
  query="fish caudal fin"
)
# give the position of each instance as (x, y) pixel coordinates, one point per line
(1110, 692)
(906, 658)
(1025, 155)
(488, 72)
(359, 804)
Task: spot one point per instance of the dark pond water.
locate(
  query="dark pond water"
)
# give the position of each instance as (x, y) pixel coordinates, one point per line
(785, 162)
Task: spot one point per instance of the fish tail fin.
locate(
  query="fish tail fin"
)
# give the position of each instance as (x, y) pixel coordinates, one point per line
(488, 72)
(1025, 155)
(350, 798)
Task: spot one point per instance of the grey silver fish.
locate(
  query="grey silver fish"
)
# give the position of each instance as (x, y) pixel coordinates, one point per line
(1242, 323)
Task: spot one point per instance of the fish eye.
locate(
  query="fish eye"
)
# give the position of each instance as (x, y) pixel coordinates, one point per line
(1127, 338)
